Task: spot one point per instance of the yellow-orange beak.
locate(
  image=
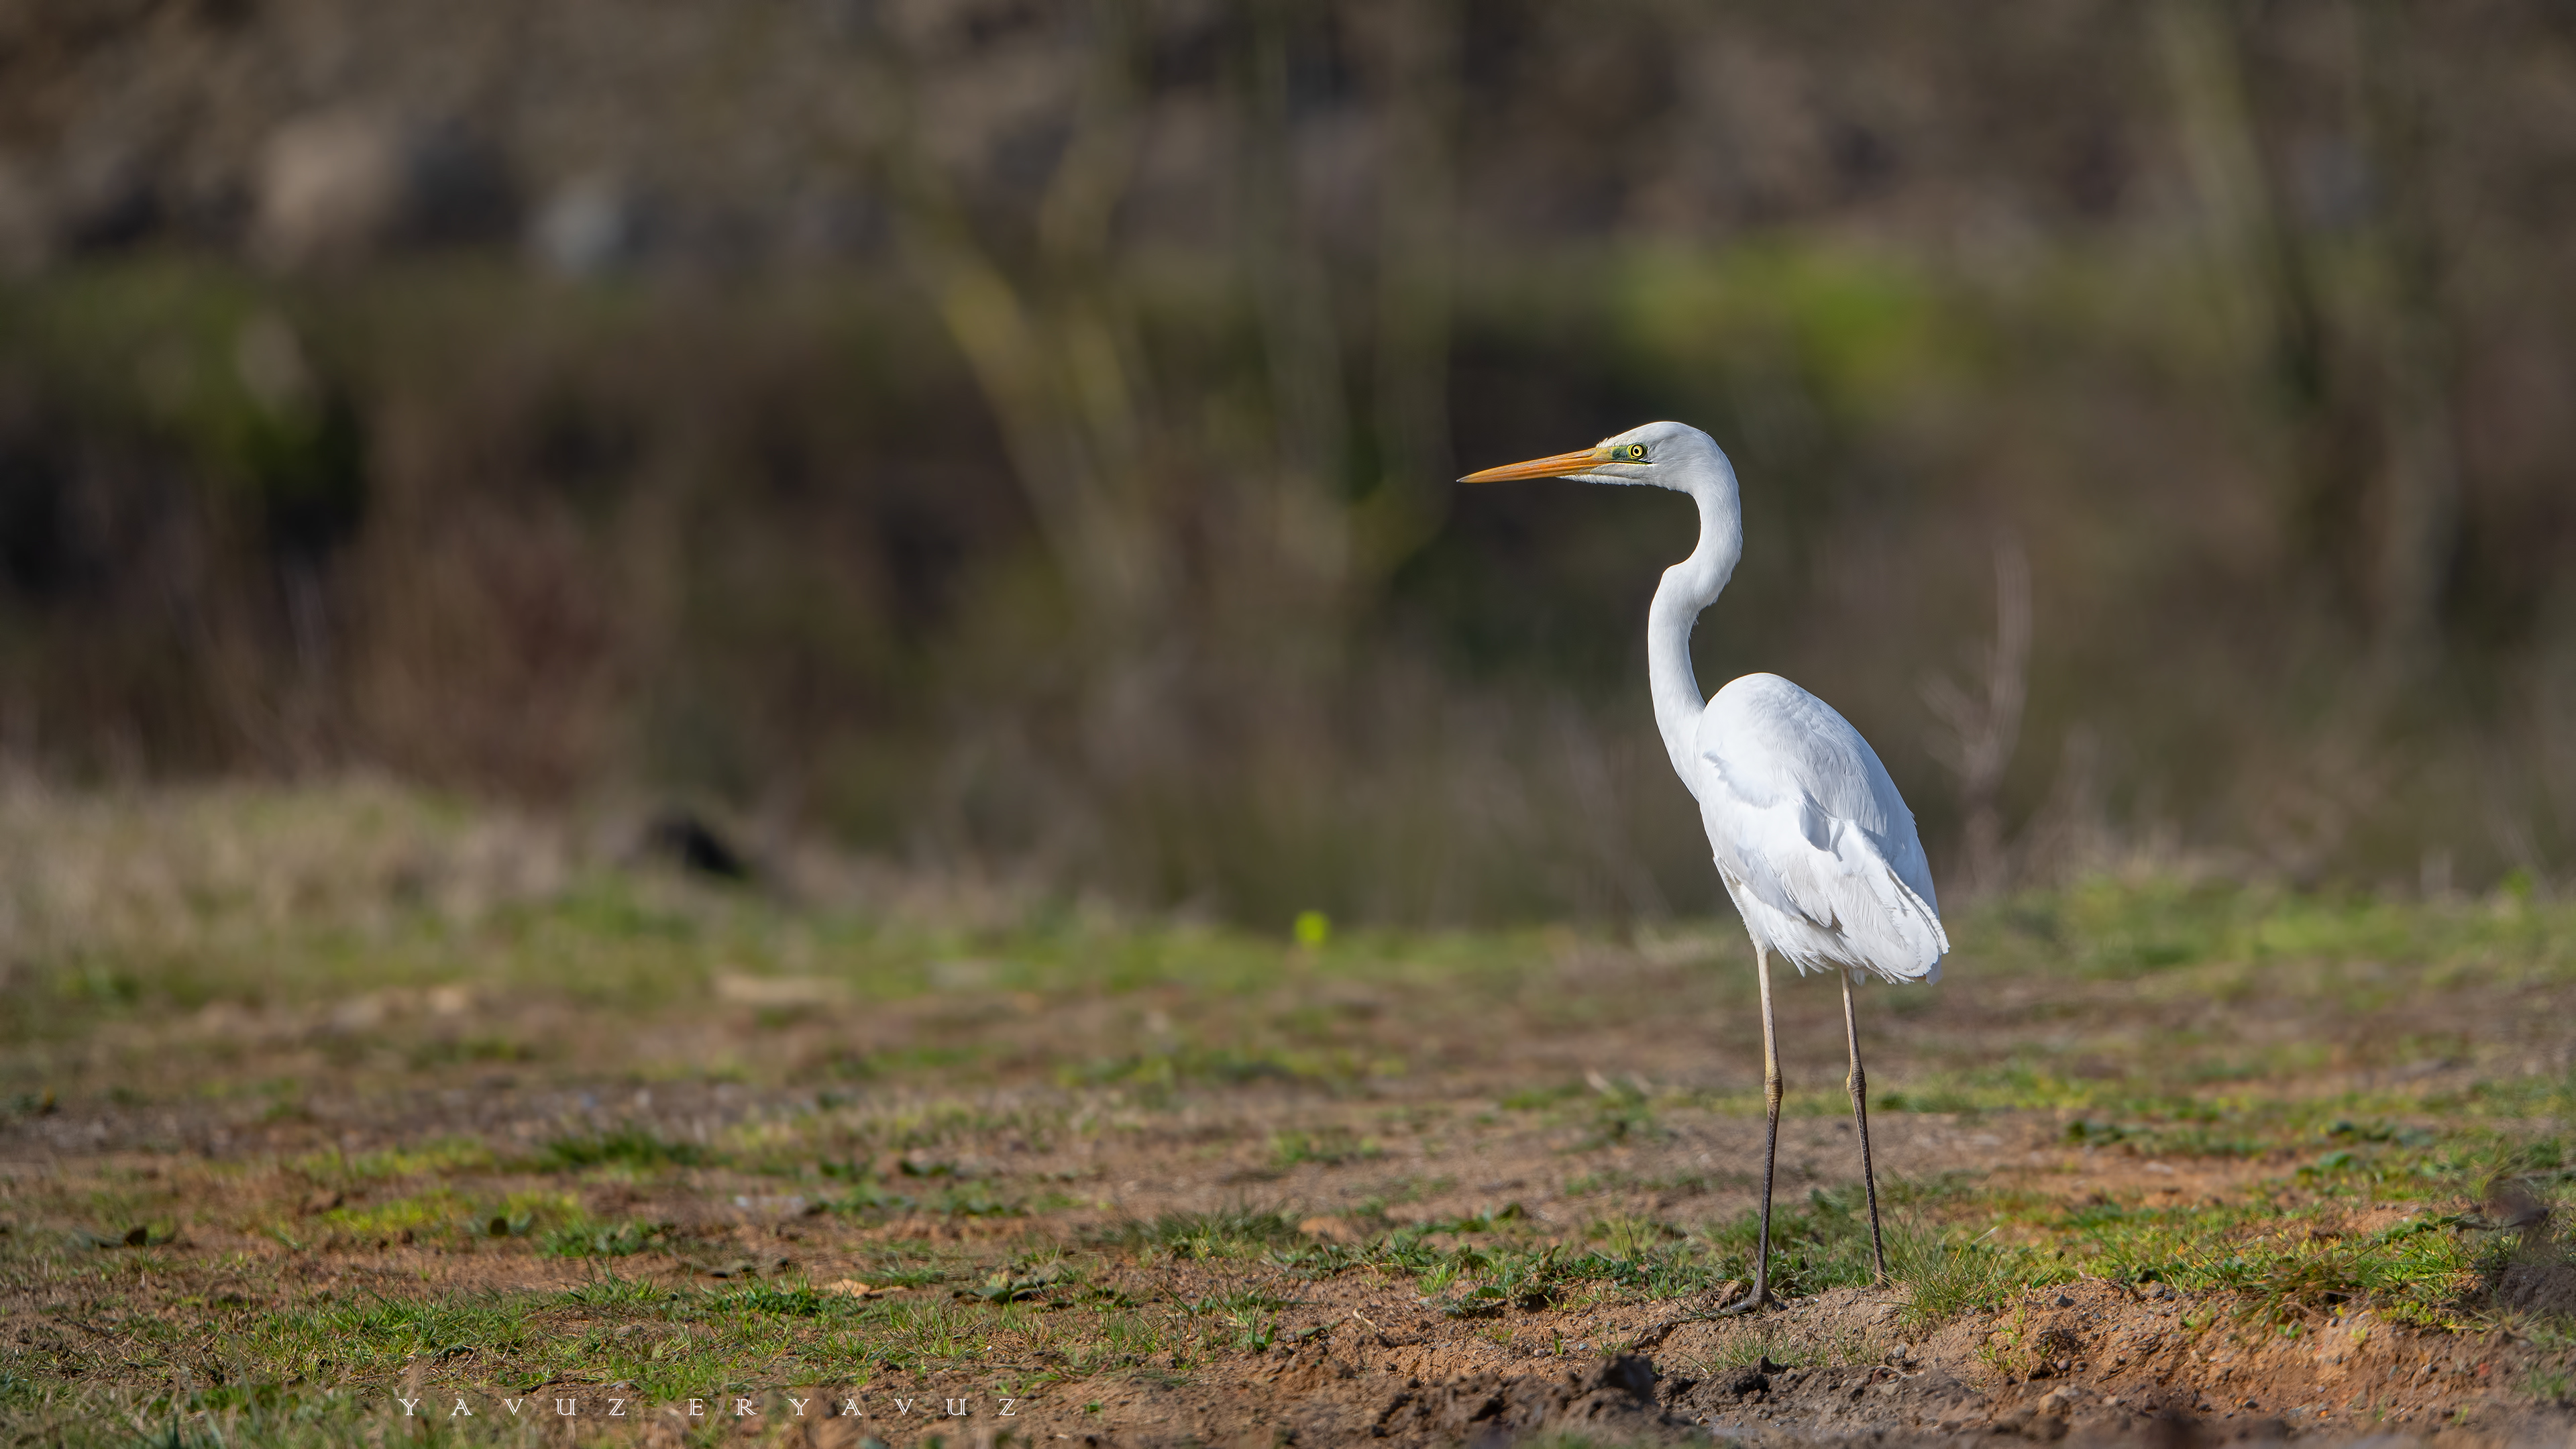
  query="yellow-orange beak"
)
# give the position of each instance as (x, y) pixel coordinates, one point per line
(1580, 461)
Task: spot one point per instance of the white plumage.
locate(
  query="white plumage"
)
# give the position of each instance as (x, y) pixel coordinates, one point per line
(1809, 834)
(1814, 844)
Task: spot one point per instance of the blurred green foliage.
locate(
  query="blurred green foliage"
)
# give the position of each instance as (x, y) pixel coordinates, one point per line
(950, 482)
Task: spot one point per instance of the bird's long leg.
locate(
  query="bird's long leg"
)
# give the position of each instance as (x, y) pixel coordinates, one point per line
(1859, 1083)
(1761, 1293)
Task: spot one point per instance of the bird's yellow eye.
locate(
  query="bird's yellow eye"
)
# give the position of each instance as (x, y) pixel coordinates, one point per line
(1636, 452)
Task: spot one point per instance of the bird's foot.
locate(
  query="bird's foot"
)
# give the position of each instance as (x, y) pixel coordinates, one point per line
(1758, 1298)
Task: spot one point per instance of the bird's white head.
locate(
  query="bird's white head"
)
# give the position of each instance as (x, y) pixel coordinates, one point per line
(1662, 455)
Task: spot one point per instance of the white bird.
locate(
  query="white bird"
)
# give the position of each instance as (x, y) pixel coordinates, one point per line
(1816, 848)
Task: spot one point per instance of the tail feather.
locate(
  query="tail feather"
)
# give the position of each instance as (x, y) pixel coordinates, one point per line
(1905, 940)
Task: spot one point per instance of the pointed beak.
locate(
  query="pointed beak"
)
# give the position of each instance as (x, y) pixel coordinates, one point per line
(1557, 466)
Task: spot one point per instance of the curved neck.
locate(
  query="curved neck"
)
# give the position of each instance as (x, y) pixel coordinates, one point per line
(1689, 587)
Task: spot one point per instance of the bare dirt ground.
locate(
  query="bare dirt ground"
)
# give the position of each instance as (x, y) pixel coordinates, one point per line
(2244, 1170)
(1358, 1355)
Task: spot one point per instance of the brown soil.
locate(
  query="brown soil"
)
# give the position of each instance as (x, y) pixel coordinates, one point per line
(1358, 1357)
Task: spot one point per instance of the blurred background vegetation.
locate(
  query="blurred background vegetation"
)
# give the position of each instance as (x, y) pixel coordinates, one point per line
(1013, 439)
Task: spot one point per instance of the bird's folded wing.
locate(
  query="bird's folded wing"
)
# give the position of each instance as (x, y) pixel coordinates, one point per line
(1802, 815)
(1828, 873)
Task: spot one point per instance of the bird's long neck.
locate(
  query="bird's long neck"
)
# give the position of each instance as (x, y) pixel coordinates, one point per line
(1689, 587)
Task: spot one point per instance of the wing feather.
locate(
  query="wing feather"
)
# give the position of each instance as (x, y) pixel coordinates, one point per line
(1811, 836)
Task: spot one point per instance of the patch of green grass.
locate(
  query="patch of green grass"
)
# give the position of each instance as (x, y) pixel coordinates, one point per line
(2279, 1266)
(919, 1331)
(472, 1049)
(584, 1238)
(1120, 1338)
(1645, 1257)
(267, 1413)
(1817, 1244)
(1314, 1262)
(442, 1156)
(2279, 1256)
(1538, 1099)
(1237, 1302)
(444, 1214)
(1236, 1232)
(434, 1213)
(893, 1273)
(790, 1300)
(1328, 1146)
(868, 1195)
(1228, 1065)
(1483, 1220)
(1622, 1111)
(374, 1334)
(1249, 1317)
(2179, 1139)
(629, 1145)
(1685, 1184)
(1028, 1280)
(1952, 1275)
(2131, 929)
(609, 1291)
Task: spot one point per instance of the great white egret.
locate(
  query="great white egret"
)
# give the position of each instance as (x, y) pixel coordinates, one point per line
(1816, 847)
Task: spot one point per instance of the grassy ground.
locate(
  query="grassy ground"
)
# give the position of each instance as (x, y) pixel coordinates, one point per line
(318, 1103)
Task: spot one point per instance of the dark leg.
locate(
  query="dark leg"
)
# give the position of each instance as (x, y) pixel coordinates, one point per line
(1860, 1117)
(1761, 1293)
